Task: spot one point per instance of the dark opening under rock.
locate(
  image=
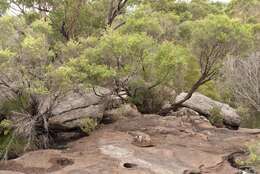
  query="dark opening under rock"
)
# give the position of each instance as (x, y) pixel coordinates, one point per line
(107, 120)
(62, 146)
(129, 165)
(64, 161)
(191, 172)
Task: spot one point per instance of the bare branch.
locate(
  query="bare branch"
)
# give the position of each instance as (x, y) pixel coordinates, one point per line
(115, 10)
(242, 76)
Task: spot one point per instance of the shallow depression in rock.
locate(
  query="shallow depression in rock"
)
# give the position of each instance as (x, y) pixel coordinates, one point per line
(130, 165)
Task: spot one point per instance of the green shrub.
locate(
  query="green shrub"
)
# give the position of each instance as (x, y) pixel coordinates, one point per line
(6, 126)
(253, 158)
(88, 125)
(17, 104)
(209, 89)
(151, 101)
(11, 146)
(215, 117)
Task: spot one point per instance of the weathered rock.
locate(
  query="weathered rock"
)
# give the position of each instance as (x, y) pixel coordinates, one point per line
(10, 172)
(179, 148)
(183, 112)
(141, 139)
(61, 137)
(73, 119)
(75, 107)
(123, 111)
(204, 106)
(72, 111)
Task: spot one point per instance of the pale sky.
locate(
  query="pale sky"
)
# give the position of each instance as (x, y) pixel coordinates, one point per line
(221, 0)
(225, 1)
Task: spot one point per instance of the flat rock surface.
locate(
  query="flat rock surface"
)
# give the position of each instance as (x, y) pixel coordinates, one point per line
(180, 144)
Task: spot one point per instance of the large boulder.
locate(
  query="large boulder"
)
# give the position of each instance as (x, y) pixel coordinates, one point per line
(77, 106)
(204, 105)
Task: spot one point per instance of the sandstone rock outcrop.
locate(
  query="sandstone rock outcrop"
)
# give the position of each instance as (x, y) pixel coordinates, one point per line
(181, 145)
(76, 106)
(204, 105)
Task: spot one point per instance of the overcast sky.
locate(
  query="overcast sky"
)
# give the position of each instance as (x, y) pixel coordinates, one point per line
(226, 1)
(222, 0)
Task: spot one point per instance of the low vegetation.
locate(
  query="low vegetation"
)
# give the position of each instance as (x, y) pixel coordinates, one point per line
(253, 158)
(143, 49)
(88, 125)
(216, 119)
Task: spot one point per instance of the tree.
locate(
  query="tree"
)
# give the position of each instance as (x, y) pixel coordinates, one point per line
(187, 10)
(246, 11)
(159, 25)
(138, 61)
(34, 77)
(212, 40)
(243, 78)
(241, 75)
(116, 7)
(70, 19)
(3, 7)
(136, 48)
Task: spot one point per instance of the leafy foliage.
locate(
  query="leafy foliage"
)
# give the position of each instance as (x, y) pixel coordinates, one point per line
(216, 119)
(142, 49)
(6, 125)
(88, 125)
(253, 158)
(247, 11)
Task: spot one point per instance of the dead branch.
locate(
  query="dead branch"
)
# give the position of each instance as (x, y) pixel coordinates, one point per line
(115, 10)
